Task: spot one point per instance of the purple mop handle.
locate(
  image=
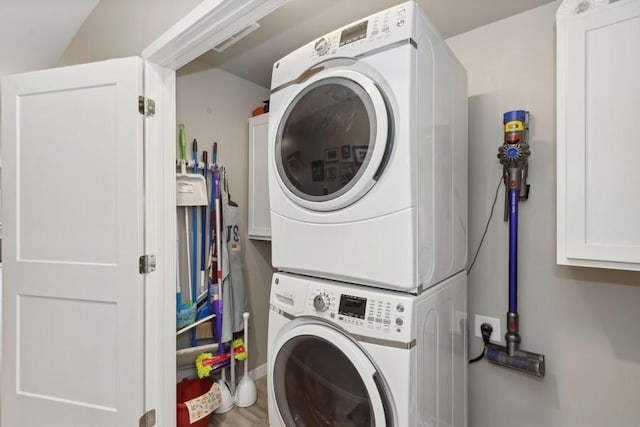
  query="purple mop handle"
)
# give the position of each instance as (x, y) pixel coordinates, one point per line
(514, 195)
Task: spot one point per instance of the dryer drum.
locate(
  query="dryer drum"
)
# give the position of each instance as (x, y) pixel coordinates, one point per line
(328, 135)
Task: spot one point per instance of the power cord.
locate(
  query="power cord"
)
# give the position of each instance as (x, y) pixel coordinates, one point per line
(486, 329)
(486, 228)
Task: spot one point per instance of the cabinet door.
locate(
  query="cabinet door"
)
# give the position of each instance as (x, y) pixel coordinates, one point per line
(598, 146)
(259, 212)
(72, 314)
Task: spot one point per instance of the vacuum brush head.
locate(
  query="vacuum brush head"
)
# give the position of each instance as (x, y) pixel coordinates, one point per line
(523, 361)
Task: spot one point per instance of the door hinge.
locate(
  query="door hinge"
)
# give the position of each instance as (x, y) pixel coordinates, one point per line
(146, 106)
(147, 264)
(148, 419)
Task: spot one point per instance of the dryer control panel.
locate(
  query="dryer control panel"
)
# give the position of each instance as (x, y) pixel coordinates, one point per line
(366, 36)
(388, 26)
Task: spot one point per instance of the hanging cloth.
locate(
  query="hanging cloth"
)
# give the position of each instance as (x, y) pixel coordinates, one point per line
(234, 294)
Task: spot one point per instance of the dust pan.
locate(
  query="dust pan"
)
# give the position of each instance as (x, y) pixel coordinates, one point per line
(191, 188)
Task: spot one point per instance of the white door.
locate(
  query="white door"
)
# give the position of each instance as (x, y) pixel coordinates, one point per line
(73, 214)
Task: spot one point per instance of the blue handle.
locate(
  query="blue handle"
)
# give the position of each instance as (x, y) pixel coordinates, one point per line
(194, 245)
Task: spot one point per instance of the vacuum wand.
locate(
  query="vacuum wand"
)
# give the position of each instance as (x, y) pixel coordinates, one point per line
(513, 156)
(513, 337)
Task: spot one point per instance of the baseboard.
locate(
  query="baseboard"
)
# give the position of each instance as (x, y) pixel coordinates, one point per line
(259, 372)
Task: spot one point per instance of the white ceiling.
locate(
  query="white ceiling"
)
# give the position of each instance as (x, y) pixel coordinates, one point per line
(34, 33)
(300, 21)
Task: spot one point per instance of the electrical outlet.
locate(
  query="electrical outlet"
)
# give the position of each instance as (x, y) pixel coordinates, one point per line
(496, 334)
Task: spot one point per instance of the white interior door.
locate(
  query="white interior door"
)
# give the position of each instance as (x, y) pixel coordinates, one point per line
(73, 213)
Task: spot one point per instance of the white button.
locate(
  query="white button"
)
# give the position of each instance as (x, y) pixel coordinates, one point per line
(400, 23)
(401, 12)
(399, 321)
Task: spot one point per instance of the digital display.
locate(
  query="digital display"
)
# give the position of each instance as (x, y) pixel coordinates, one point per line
(352, 306)
(354, 33)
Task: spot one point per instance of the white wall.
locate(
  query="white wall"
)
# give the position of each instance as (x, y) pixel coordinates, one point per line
(215, 106)
(584, 320)
(34, 34)
(119, 28)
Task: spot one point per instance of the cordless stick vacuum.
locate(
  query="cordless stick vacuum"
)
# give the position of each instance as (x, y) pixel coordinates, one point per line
(514, 155)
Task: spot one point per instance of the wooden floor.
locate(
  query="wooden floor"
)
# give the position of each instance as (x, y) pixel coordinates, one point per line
(253, 416)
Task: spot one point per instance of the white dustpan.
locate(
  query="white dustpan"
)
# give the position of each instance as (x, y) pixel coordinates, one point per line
(191, 188)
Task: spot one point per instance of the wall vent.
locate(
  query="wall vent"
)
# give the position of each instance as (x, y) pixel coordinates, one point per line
(236, 37)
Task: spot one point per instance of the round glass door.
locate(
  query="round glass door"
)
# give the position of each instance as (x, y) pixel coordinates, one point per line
(332, 140)
(322, 378)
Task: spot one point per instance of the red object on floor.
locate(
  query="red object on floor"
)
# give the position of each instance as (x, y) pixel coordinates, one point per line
(186, 390)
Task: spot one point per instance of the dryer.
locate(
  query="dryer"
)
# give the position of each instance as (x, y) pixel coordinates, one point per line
(368, 155)
(351, 355)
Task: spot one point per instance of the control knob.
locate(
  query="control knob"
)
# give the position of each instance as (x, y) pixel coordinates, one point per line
(322, 46)
(321, 302)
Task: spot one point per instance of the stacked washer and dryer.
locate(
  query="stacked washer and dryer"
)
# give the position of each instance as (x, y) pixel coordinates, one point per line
(368, 196)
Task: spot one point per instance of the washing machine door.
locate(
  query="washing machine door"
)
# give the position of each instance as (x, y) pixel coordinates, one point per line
(333, 139)
(321, 377)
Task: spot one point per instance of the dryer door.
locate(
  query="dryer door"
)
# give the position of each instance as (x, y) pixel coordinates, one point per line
(333, 140)
(321, 377)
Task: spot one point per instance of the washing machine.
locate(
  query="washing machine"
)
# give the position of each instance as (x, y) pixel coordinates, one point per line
(368, 155)
(345, 355)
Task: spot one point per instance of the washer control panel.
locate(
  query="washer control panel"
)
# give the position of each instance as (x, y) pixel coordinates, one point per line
(370, 310)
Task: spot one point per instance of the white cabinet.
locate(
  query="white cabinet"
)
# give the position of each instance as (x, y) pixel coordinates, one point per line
(598, 110)
(259, 213)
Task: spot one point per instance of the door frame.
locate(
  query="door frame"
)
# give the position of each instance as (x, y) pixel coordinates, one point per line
(207, 25)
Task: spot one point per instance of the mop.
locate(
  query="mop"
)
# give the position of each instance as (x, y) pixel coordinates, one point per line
(227, 397)
(194, 243)
(203, 259)
(191, 190)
